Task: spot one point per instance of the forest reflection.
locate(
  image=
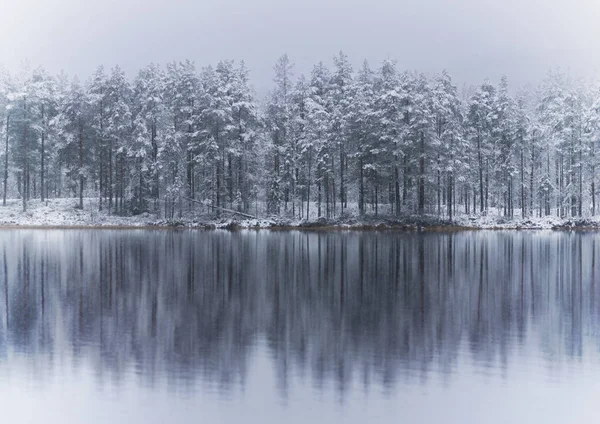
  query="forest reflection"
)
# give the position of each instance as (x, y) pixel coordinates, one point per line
(377, 308)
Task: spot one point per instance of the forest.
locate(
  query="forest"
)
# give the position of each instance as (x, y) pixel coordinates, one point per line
(341, 141)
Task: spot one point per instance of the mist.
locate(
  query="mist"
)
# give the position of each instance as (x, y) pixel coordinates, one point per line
(472, 39)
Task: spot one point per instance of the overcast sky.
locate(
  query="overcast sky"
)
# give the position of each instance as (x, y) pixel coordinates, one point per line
(473, 39)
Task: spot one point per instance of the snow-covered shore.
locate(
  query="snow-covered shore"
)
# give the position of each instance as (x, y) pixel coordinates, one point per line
(63, 213)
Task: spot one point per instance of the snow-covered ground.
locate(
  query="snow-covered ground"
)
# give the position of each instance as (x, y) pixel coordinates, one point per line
(498, 222)
(64, 213)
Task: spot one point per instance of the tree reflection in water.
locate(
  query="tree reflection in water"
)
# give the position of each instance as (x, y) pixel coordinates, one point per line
(379, 308)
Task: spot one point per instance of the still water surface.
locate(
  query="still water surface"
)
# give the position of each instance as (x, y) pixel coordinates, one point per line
(145, 326)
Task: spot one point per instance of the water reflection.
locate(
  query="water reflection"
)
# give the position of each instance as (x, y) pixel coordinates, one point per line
(331, 308)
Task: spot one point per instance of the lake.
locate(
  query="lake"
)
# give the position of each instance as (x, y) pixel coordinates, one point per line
(143, 326)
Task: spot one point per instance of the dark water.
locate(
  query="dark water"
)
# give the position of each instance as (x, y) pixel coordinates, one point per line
(187, 327)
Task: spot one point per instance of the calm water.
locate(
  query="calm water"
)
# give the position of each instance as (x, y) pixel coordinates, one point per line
(187, 327)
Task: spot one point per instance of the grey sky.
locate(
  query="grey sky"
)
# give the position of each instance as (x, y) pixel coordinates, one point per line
(473, 39)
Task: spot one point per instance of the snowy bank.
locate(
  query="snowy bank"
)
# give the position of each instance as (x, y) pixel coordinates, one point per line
(63, 213)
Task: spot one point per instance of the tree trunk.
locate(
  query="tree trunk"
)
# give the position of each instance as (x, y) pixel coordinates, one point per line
(155, 184)
(376, 199)
(80, 165)
(438, 187)
(319, 195)
(42, 157)
(531, 179)
(480, 160)
(593, 177)
(422, 174)
(396, 189)
(308, 184)
(523, 208)
(110, 176)
(580, 180)
(342, 185)
(361, 188)
(24, 190)
(101, 142)
(333, 196)
(6, 161)
(230, 179)
(449, 196)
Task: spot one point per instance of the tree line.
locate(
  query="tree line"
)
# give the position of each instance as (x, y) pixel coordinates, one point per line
(176, 139)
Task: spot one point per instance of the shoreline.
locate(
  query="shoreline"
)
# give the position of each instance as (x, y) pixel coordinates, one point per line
(60, 214)
(304, 227)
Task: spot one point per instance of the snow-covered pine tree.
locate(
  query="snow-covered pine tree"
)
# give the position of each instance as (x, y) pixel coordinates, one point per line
(148, 121)
(341, 99)
(73, 127)
(279, 175)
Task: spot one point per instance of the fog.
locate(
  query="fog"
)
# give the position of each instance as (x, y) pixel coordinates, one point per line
(472, 39)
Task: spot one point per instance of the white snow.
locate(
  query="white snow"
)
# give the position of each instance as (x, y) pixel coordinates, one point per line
(64, 213)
